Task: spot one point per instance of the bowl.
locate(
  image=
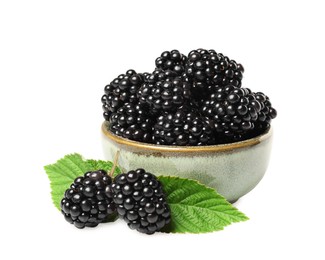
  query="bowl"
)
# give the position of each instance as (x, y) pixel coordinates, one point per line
(232, 169)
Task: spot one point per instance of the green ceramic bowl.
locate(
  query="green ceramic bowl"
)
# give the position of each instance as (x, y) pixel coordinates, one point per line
(232, 169)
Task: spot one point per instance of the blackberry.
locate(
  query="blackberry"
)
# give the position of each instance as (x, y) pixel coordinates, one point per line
(164, 91)
(85, 203)
(207, 68)
(172, 60)
(185, 127)
(121, 90)
(234, 112)
(267, 112)
(140, 201)
(132, 121)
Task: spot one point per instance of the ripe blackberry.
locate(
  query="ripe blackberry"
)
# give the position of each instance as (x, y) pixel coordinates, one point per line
(85, 203)
(164, 91)
(234, 112)
(140, 201)
(207, 68)
(267, 112)
(172, 60)
(121, 90)
(132, 121)
(185, 127)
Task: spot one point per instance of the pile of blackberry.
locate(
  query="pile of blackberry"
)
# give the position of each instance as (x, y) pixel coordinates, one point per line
(193, 100)
(136, 196)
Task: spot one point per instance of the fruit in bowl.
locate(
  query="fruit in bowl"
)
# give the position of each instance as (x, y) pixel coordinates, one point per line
(190, 118)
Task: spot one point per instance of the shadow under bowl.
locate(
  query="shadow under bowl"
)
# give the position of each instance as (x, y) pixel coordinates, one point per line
(232, 169)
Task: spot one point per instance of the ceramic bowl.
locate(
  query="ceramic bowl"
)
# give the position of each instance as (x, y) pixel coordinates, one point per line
(232, 169)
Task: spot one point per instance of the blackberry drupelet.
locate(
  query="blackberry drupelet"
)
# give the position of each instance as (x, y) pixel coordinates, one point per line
(85, 203)
(172, 60)
(121, 90)
(132, 121)
(140, 201)
(234, 112)
(164, 91)
(207, 68)
(185, 127)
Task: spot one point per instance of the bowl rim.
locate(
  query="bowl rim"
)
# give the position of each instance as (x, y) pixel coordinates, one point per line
(174, 148)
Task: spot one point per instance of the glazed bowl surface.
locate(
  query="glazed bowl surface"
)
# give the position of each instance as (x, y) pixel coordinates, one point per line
(232, 169)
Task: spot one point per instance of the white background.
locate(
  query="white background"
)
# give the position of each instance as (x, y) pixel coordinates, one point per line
(57, 56)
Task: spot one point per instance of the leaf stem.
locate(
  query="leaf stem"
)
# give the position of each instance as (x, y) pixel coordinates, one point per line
(114, 163)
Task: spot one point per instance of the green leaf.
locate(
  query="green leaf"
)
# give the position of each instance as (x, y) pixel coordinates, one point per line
(196, 208)
(65, 170)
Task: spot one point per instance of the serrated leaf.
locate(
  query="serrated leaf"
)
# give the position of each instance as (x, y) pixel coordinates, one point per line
(196, 208)
(65, 170)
